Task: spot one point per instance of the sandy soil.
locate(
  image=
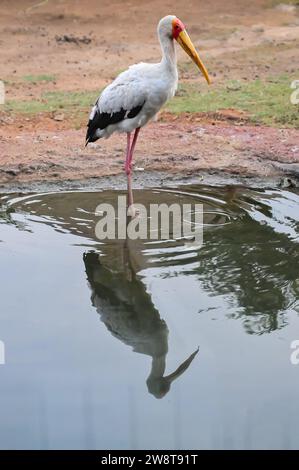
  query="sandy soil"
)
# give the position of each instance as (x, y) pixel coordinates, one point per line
(239, 39)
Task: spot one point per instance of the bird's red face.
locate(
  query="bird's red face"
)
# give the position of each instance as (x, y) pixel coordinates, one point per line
(180, 34)
(177, 28)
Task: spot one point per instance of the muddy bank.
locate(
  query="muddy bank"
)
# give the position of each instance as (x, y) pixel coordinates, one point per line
(150, 179)
(53, 48)
(179, 147)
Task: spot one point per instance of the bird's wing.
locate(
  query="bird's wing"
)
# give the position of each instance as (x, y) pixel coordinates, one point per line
(122, 99)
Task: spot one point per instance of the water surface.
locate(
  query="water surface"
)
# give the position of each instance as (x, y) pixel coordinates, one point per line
(147, 344)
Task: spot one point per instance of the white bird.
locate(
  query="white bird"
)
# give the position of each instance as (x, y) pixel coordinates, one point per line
(137, 94)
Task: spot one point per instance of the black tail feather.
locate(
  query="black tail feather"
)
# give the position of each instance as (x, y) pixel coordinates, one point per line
(102, 120)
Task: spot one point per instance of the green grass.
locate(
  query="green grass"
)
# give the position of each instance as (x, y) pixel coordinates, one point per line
(267, 102)
(273, 3)
(39, 78)
(53, 101)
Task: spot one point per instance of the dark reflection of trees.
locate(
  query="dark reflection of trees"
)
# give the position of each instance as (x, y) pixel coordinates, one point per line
(127, 310)
(255, 267)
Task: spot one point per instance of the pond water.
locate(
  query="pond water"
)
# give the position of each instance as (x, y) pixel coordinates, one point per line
(146, 344)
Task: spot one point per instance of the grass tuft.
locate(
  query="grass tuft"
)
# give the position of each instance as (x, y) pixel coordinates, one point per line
(53, 101)
(266, 101)
(39, 78)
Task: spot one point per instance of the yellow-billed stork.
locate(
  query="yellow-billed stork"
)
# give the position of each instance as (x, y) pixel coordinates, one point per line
(137, 94)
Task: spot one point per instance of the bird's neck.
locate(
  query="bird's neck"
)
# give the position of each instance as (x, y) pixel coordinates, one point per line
(169, 60)
(158, 367)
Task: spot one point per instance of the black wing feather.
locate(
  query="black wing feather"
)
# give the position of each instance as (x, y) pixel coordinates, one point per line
(103, 120)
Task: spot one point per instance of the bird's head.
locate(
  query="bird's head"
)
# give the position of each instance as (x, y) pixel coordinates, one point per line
(172, 27)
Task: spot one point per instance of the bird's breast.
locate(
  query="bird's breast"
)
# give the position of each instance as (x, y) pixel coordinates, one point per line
(160, 92)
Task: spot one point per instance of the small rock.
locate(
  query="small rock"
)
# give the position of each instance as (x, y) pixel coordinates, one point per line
(73, 39)
(286, 8)
(286, 183)
(258, 28)
(58, 117)
(200, 131)
(12, 172)
(6, 120)
(234, 86)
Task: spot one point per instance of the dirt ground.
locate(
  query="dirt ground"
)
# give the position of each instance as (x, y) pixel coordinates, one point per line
(84, 44)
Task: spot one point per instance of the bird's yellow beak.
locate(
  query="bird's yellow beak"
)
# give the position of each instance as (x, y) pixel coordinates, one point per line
(186, 43)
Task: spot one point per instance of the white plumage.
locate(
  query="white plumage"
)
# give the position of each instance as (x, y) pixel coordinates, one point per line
(137, 94)
(146, 85)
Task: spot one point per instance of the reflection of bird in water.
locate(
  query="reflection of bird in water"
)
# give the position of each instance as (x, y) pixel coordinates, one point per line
(129, 314)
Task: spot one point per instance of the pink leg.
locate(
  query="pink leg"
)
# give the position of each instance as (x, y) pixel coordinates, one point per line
(128, 167)
(133, 146)
(127, 164)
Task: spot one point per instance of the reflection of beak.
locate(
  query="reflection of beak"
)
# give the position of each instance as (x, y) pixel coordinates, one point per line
(186, 43)
(181, 369)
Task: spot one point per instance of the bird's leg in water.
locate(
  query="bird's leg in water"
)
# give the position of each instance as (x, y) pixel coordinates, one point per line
(128, 170)
(128, 167)
(131, 210)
